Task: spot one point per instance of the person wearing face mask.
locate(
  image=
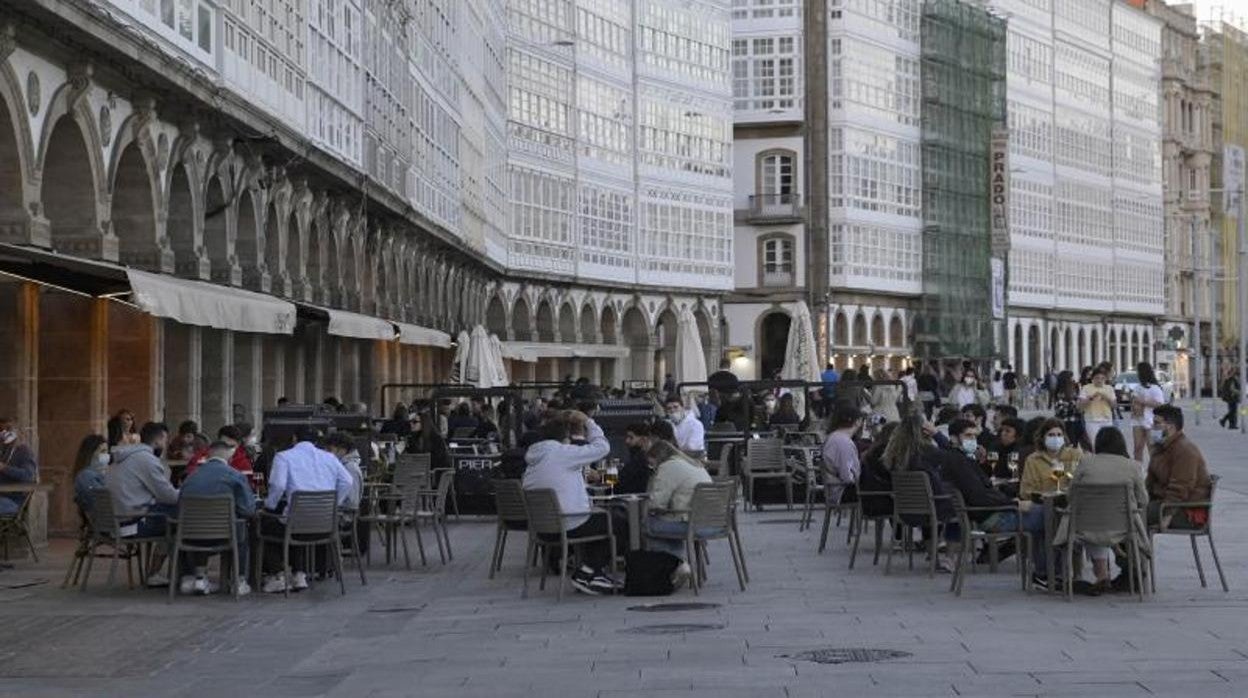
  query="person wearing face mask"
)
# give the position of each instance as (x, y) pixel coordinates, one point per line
(1176, 471)
(967, 392)
(1053, 455)
(90, 465)
(690, 434)
(17, 465)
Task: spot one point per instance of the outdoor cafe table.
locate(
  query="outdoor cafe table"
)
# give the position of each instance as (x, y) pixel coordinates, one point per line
(634, 508)
(26, 487)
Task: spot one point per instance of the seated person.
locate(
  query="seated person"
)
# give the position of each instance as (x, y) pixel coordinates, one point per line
(841, 464)
(240, 461)
(343, 447)
(90, 465)
(555, 463)
(1110, 465)
(690, 434)
(635, 475)
(786, 416)
(671, 493)
(140, 484)
(487, 427)
(977, 415)
(1176, 472)
(1007, 447)
(1000, 413)
(300, 468)
(215, 476)
(1053, 459)
(461, 420)
(17, 465)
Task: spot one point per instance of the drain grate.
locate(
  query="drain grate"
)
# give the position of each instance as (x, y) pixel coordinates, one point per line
(672, 607)
(846, 655)
(671, 628)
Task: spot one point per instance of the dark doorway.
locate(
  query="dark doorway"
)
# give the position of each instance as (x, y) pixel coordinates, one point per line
(772, 340)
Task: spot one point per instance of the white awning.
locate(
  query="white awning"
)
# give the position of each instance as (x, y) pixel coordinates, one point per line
(423, 336)
(209, 305)
(347, 324)
(532, 351)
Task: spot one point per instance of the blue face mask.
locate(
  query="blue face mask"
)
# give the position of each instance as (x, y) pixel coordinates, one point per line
(1157, 435)
(969, 447)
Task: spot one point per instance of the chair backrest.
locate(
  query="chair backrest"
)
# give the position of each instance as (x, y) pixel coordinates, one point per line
(445, 479)
(1096, 508)
(411, 471)
(711, 505)
(1213, 490)
(313, 513)
(103, 517)
(206, 518)
(764, 455)
(542, 507)
(912, 494)
(463, 433)
(509, 501)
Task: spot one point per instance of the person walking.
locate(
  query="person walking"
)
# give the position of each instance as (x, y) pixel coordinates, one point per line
(1230, 392)
(1144, 398)
(1096, 400)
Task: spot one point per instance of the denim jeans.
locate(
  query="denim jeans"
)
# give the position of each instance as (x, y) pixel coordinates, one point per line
(8, 507)
(668, 527)
(1033, 523)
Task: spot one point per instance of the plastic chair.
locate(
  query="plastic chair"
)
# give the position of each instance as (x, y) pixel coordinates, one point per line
(433, 509)
(912, 496)
(970, 536)
(1205, 531)
(205, 525)
(509, 503)
(349, 520)
(858, 520)
(1097, 509)
(711, 518)
(546, 519)
(15, 526)
(106, 530)
(311, 521)
(393, 509)
(764, 460)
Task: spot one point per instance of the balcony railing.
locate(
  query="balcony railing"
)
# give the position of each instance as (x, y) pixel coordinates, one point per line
(775, 208)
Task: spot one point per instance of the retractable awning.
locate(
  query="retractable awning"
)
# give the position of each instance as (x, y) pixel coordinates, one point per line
(532, 351)
(344, 323)
(422, 336)
(208, 305)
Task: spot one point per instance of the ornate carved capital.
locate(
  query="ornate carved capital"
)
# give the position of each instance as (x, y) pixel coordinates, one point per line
(8, 38)
(79, 78)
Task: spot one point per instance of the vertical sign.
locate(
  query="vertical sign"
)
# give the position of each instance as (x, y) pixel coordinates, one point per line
(1233, 179)
(998, 287)
(999, 191)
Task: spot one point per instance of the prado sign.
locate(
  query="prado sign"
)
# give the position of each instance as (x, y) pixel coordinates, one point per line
(999, 191)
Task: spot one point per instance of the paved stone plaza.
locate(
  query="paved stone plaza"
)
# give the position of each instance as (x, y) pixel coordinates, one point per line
(450, 631)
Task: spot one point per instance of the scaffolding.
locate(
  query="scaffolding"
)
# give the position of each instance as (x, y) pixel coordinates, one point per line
(963, 90)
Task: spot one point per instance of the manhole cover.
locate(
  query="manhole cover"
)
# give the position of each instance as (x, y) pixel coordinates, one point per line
(671, 628)
(786, 522)
(851, 655)
(665, 607)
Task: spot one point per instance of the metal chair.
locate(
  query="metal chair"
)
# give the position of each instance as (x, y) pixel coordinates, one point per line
(1205, 531)
(349, 526)
(81, 551)
(15, 526)
(971, 535)
(311, 521)
(710, 518)
(858, 520)
(509, 503)
(433, 509)
(1097, 509)
(392, 509)
(764, 460)
(912, 496)
(205, 525)
(546, 519)
(106, 530)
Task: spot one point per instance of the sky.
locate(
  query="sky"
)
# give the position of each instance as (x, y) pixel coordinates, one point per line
(1204, 7)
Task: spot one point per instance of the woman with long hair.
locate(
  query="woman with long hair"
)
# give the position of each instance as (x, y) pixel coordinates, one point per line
(1053, 459)
(1144, 398)
(89, 466)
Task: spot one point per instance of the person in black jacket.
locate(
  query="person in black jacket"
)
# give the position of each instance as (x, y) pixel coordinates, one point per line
(635, 475)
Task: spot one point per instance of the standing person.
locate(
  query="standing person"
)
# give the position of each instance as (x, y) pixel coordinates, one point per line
(690, 434)
(966, 392)
(17, 465)
(1146, 396)
(1009, 381)
(884, 397)
(1229, 391)
(910, 383)
(669, 384)
(786, 415)
(829, 378)
(1096, 400)
(996, 389)
(1067, 409)
(929, 390)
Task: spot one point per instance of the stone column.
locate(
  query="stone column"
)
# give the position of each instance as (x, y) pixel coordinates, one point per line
(218, 390)
(273, 369)
(248, 376)
(313, 340)
(295, 369)
(183, 368)
(1025, 368)
(19, 355)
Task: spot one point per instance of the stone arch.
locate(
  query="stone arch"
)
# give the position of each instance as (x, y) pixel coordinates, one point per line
(703, 322)
(217, 243)
(859, 335)
(17, 201)
(878, 337)
(183, 224)
(521, 320)
(132, 217)
(1135, 347)
(590, 332)
(896, 331)
(545, 322)
(314, 259)
(608, 325)
(1033, 347)
(247, 238)
(496, 317)
(331, 275)
(840, 329)
(350, 272)
(74, 220)
(274, 247)
(636, 334)
(567, 323)
(665, 332)
(1146, 347)
(772, 341)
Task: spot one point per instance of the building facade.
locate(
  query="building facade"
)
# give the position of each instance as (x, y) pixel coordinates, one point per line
(352, 183)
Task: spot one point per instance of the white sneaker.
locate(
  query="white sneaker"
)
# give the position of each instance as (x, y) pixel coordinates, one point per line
(206, 586)
(186, 585)
(274, 584)
(242, 587)
(682, 575)
(299, 581)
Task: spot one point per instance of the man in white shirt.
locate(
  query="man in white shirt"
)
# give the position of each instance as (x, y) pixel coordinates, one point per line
(690, 434)
(301, 468)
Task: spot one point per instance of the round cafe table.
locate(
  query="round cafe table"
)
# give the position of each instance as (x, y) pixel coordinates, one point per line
(634, 508)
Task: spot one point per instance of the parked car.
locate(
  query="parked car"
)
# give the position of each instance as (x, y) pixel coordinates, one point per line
(1127, 381)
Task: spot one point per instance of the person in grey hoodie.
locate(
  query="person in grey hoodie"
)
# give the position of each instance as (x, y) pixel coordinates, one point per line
(139, 482)
(557, 464)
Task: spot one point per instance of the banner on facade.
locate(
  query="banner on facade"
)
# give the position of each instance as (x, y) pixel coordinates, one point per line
(998, 288)
(1233, 179)
(999, 190)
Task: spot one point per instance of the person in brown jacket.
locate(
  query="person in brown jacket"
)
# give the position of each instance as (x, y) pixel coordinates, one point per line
(1176, 470)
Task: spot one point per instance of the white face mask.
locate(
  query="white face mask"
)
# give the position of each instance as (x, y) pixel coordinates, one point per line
(1158, 435)
(101, 459)
(1054, 443)
(969, 380)
(8, 436)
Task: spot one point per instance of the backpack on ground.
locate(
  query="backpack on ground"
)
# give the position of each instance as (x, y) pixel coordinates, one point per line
(649, 573)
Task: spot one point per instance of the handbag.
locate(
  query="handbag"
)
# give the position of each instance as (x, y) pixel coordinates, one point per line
(649, 573)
